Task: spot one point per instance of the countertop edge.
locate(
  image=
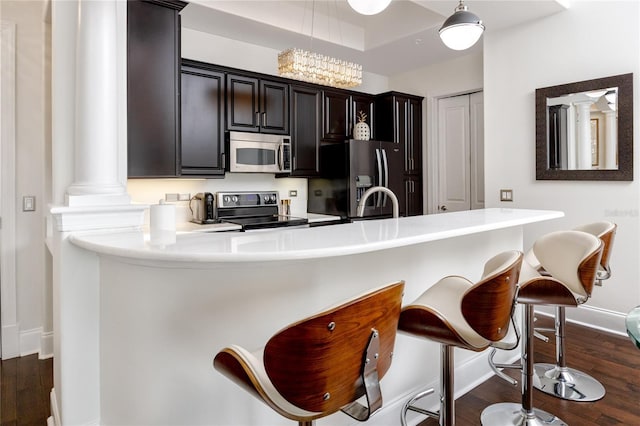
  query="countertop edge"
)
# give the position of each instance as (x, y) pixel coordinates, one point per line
(143, 251)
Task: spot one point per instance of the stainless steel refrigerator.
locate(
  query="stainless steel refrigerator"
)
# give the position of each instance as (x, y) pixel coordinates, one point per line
(348, 169)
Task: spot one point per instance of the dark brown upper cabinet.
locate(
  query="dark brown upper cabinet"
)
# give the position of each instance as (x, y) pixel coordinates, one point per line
(257, 105)
(202, 105)
(335, 115)
(398, 119)
(153, 83)
(365, 103)
(306, 104)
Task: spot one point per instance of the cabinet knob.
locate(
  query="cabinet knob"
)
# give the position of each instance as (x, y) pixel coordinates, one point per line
(443, 208)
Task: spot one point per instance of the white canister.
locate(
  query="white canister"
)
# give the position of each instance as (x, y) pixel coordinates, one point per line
(162, 223)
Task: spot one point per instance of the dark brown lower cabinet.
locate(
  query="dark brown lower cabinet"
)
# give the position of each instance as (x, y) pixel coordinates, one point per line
(202, 105)
(412, 195)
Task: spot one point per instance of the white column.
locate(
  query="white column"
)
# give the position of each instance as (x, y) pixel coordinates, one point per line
(611, 140)
(96, 106)
(583, 134)
(89, 136)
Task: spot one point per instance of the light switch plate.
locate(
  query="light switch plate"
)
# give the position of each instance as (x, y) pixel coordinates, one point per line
(506, 195)
(293, 193)
(29, 203)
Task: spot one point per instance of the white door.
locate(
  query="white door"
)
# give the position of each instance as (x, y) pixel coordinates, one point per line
(461, 153)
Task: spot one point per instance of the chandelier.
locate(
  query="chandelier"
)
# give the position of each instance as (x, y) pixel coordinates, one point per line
(305, 65)
(313, 67)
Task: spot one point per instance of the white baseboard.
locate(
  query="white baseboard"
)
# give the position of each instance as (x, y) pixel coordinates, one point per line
(54, 420)
(592, 317)
(10, 341)
(30, 341)
(46, 345)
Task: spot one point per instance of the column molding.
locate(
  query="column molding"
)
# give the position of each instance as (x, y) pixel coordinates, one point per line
(96, 153)
(9, 320)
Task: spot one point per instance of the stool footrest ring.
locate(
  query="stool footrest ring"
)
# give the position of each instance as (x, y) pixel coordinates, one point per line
(409, 407)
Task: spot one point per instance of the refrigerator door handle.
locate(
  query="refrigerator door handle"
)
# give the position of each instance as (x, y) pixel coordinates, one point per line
(386, 176)
(380, 176)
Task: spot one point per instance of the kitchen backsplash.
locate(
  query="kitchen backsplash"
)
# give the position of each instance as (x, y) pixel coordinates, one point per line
(150, 191)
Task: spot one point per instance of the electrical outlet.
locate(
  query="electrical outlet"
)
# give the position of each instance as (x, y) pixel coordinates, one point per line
(293, 193)
(28, 203)
(171, 197)
(184, 197)
(506, 195)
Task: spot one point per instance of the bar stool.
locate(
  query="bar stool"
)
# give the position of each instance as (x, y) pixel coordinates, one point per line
(458, 313)
(324, 363)
(571, 259)
(558, 379)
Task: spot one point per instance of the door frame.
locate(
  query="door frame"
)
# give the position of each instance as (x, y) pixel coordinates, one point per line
(8, 294)
(432, 175)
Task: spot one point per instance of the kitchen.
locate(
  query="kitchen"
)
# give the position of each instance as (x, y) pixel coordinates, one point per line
(507, 161)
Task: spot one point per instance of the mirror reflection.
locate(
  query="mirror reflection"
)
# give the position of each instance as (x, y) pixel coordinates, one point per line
(583, 130)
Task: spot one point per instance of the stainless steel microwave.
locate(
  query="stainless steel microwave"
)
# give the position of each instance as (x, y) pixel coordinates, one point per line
(258, 153)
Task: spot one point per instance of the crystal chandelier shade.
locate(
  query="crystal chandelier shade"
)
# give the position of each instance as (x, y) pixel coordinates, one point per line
(313, 67)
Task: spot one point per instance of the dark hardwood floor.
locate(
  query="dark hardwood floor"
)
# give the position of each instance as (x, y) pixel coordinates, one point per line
(27, 381)
(25, 384)
(613, 360)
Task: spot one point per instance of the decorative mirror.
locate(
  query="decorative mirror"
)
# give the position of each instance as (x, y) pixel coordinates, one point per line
(584, 130)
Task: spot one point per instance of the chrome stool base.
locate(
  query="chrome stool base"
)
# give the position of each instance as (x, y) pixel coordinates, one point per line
(567, 383)
(512, 414)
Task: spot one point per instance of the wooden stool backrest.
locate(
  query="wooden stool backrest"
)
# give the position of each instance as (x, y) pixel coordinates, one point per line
(316, 363)
(606, 231)
(571, 257)
(487, 306)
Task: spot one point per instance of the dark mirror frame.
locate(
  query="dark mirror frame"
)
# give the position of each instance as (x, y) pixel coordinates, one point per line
(624, 83)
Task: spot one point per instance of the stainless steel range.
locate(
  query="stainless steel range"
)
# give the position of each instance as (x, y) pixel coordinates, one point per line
(253, 210)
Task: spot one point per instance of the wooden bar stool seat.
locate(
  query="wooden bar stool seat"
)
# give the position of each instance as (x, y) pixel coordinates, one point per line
(459, 313)
(324, 363)
(570, 259)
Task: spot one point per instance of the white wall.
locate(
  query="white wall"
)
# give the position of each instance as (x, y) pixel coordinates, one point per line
(32, 142)
(460, 75)
(218, 50)
(592, 39)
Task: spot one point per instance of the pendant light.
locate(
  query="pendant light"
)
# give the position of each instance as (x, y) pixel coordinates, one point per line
(462, 29)
(368, 7)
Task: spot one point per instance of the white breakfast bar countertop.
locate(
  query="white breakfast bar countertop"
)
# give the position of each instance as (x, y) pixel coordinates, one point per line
(308, 243)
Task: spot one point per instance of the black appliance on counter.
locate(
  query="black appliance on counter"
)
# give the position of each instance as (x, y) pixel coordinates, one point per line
(202, 208)
(253, 210)
(348, 170)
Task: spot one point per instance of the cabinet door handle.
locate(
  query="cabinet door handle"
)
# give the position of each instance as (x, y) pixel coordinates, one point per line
(257, 119)
(223, 160)
(397, 123)
(264, 119)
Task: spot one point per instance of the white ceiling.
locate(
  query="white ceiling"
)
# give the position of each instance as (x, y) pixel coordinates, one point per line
(402, 37)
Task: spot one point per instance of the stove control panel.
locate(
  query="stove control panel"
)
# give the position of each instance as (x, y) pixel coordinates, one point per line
(246, 199)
